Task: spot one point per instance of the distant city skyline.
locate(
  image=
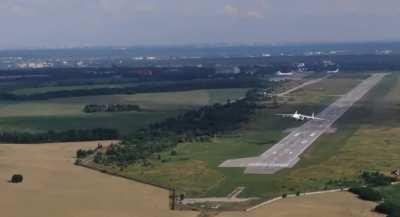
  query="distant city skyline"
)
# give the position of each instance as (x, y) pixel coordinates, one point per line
(75, 23)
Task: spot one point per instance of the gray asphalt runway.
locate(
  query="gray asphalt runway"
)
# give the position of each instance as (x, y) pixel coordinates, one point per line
(285, 154)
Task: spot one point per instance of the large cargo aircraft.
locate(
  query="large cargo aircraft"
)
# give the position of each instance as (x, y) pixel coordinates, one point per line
(300, 117)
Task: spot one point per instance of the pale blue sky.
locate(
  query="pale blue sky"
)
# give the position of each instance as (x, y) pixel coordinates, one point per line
(145, 22)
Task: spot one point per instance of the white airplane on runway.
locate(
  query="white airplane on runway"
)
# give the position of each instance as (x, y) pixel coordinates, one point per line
(300, 117)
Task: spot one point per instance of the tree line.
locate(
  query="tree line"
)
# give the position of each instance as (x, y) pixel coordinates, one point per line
(92, 108)
(59, 136)
(390, 208)
(368, 191)
(142, 88)
(197, 125)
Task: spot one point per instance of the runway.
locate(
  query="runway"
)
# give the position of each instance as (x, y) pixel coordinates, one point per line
(285, 154)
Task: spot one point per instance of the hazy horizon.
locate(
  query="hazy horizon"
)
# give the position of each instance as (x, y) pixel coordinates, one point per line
(74, 23)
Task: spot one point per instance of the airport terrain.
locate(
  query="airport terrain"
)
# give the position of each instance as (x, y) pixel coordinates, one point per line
(53, 186)
(366, 137)
(286, 153)
(335, 158)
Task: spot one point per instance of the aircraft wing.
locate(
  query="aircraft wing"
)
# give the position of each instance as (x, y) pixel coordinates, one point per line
(312, 117)
(284, 115)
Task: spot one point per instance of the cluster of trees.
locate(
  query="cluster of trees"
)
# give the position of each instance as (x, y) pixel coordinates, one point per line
(370, 180)
(143, 88)
(197, 125)
(81, 153)
(59, 136)
(376, 179)
(138, 73)
(391, 209)
(366, 193)
(92, 108)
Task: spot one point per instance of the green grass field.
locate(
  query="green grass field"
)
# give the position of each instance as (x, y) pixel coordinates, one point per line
(367, 137)
(66, 113)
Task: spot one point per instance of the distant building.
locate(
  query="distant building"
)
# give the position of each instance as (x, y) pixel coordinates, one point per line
(151, 58)
(279, 73)
(138, 58)
(383, 52)
(333, 71)
(300, 67)
(33, 65)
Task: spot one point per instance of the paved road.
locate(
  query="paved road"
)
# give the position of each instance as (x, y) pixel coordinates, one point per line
(285, 154)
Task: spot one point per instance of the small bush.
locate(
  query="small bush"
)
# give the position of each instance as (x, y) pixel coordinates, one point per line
(284, 195)
(84, 153)
(80, 153)
(17, 178)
